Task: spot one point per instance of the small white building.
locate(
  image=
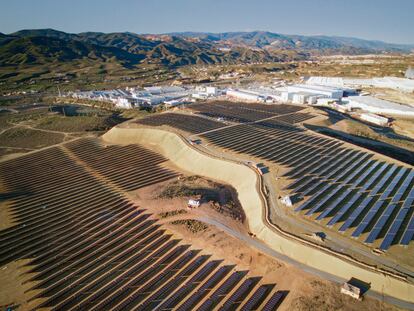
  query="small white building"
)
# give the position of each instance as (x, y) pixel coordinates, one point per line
(286, 201)
(204, 92)
(375, 119)
(193, 203)
(351, 290)
(211, 90)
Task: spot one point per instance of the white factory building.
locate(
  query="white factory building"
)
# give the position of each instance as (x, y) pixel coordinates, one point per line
(204, 92)
(401, 84)
(327, 91)
(375, 105)
(309, 94)
(134, 97)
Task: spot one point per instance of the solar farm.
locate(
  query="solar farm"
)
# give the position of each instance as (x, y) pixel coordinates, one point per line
(333, 184)
(87, 246)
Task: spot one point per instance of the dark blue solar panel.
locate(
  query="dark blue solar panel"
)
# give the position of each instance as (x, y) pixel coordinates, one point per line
(337, 169)
(388, 211)
(306, 165)
(327, 197)
(409, 232)
(316, 196)
(348, 191)
(374, 210)
(367, 200)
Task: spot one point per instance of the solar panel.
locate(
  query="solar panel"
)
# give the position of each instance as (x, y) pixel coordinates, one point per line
(258, 296)
(344, 167)
(327, 197)
(374, 210)
(409, 232)
(367, 200)
(305, 165)
(238, 295)
(319, 151)
(273, 302)
(389, 238)
(205, 288)
(222, 291)
(347, 191)
(390, 208)
(323, 164)
(316, 196)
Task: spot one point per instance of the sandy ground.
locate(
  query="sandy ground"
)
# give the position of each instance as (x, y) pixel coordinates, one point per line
(12, 292)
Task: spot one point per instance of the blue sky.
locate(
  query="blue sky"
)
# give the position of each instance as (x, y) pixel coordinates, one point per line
(387, 20)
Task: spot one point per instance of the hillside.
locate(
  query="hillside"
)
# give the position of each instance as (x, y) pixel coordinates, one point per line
(48, 45)
(176, 49)
(44, 50)
(41, 58)
(269, 40)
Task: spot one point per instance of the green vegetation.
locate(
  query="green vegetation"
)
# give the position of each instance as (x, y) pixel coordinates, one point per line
(25, 127)
(172, 213)
(28, 138)
(194, 226)
(76, 124)
(218, 197)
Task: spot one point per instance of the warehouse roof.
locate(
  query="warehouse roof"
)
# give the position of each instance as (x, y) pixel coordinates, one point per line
(379, 104)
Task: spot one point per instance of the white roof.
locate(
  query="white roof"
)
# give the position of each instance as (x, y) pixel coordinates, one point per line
(327, 81)
(378, 105)
(387, 82)
(323, 88)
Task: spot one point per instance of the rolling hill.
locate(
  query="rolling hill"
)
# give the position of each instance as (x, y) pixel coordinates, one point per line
(42, 46)
(48, 45)
(269, 40)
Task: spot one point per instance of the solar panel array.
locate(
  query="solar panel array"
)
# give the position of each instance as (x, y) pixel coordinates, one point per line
(188, 123)
(340, 186)
(240, 112)
(90, 248)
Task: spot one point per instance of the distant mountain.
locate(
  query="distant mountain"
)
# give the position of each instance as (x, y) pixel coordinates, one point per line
(44, 50)
(43, 46)
(269, 40)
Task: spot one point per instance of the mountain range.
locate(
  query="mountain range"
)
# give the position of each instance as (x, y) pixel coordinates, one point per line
(43, 46)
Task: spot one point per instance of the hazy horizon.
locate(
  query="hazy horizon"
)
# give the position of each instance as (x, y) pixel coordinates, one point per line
(209, 32)
(379, 20)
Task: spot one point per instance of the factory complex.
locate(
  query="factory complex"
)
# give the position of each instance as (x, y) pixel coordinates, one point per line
(332, 92)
